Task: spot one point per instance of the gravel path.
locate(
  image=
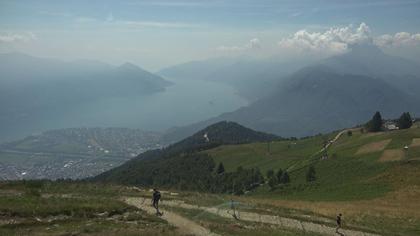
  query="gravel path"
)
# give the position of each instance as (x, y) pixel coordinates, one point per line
(254, 217)
(184, 225)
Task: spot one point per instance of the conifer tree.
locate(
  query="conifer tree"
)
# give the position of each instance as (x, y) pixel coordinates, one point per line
(405, 121)
(220, 168)
(375, 124)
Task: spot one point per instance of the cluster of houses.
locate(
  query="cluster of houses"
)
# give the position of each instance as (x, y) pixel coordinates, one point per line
(390, 125)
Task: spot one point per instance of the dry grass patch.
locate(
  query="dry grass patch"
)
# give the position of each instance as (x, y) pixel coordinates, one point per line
(373, 147)
(415, 142)
(392, 155)
(401, 203)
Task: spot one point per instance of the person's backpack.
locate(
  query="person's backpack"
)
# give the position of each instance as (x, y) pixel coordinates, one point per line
(157, 196)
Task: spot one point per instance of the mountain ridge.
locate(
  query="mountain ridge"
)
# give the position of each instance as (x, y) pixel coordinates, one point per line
(329, 101)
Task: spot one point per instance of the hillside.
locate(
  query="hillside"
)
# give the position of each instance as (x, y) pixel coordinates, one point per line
(73, 153)
(351, 170)
(368, 177)
(178, 162)
(363, 165)
(370, 61)
(350, 163)
(316, 100)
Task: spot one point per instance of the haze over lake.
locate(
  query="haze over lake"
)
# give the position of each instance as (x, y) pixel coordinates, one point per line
(185, 102)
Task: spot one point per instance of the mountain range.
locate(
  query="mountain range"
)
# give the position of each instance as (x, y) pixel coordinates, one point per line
(252, 78)
(334, 93)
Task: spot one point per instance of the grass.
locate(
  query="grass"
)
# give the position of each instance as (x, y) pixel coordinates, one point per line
(69, 208)
(373, 196)
(266, 156)
(344, 176)
(225, 226)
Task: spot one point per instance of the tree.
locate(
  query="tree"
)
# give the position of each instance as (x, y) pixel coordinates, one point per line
(375, 124)
(270, 174)
(220, 169)
(279, 174)
(285, 179)
(405, 121)
(349, 133)
(272, 182)
(310, 175)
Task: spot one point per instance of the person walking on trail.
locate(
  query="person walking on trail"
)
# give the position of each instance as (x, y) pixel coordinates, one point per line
(155, 201)
(232, 206)
(338, 223)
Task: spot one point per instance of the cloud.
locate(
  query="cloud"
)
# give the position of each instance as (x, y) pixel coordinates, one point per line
(17, 38)
(252, 44)
(401, 39)
(333, 40)
(111, 21)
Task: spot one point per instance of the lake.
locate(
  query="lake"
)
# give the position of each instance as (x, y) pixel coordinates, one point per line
(185, 102)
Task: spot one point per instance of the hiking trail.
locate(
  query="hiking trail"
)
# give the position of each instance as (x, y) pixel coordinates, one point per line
(184, 225)
(284, 222)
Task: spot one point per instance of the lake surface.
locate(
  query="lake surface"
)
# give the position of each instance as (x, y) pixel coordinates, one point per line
(185, 102)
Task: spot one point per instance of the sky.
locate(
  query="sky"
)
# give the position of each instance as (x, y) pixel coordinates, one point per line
(158, 33)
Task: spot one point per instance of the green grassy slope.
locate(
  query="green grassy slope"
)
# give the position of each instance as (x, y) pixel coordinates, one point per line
(345, 175)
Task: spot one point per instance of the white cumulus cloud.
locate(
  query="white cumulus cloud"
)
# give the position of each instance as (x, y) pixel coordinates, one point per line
(401, 39)
(333, 40)
(254, 43)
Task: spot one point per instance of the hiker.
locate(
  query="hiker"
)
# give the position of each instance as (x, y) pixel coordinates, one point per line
(232, 206)
(338, 223)
(155, 201)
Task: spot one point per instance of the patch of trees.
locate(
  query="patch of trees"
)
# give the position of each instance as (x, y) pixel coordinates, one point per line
(188, 171)
(375, 124)
(279, 178)
(237, 182)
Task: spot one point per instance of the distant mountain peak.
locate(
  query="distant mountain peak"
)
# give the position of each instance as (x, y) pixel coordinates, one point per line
(129, 66)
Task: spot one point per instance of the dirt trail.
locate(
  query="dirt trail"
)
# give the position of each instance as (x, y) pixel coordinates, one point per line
(268, 219)
(184, 225)
(327, 145)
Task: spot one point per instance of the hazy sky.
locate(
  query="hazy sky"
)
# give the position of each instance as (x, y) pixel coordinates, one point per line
(155, 33)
